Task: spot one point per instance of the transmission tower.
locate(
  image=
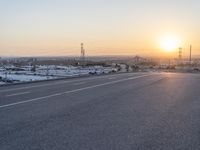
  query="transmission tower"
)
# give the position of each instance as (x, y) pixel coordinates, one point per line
(82, 52)
(180, 54)
(190, 53)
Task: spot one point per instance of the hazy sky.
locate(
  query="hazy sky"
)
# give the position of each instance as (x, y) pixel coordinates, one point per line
(107, 27)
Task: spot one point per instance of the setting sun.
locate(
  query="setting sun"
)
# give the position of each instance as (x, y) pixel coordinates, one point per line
(170, 43)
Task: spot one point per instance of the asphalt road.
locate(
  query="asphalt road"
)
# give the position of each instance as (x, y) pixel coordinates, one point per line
(133, 111)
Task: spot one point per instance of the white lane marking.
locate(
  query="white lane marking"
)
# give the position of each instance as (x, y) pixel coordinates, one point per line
(17, 94)
(63, 82)
(112, 78)
(79, 83)
(72, 91)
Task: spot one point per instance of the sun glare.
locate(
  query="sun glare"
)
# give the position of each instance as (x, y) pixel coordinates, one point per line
(169, 43)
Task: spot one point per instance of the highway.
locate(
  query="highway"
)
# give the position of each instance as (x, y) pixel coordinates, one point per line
(130, 111)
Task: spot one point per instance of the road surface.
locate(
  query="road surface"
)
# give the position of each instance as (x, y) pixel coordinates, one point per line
(132, 111)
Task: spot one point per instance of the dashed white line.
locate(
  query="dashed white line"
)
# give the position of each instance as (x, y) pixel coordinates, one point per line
(71, 91)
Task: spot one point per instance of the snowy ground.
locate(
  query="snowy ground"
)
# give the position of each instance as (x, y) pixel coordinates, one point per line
(24, 74)
(2, 83)
(23, 77)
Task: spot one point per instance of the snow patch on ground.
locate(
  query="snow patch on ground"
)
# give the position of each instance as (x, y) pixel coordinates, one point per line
(24, 78)
(24, 73)
(2, 83)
